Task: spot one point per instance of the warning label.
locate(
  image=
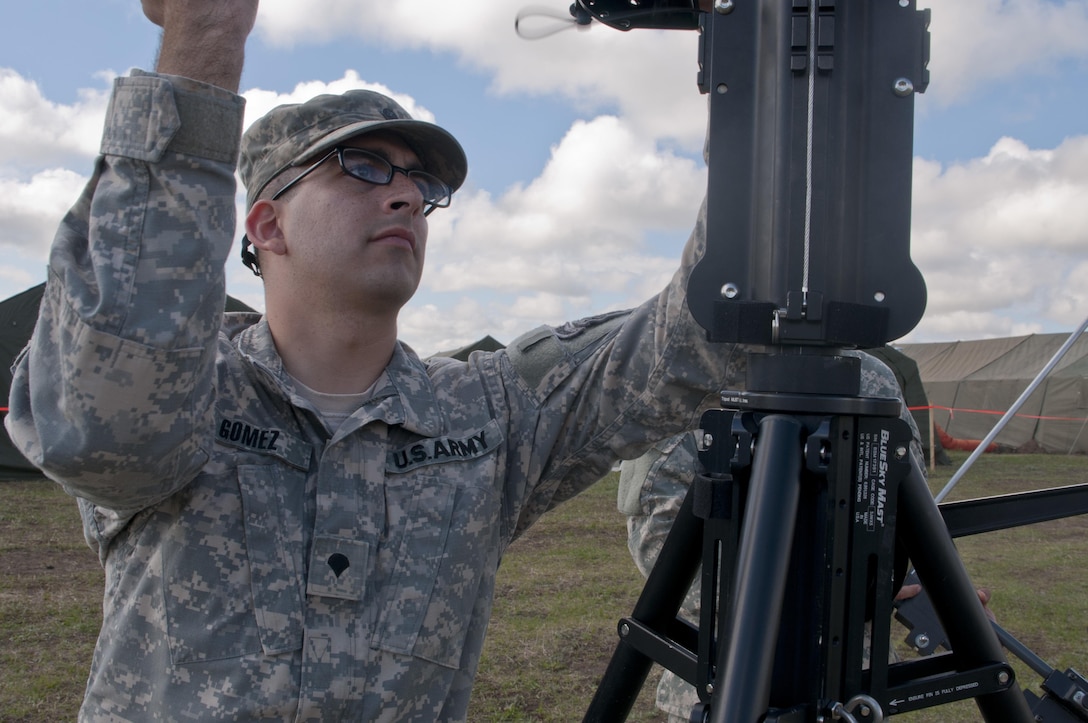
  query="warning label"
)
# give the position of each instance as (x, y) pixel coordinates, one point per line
(871, 478)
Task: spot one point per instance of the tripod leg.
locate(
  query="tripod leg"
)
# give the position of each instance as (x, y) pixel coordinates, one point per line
(929, 545)
(656, 607)
(745, 666)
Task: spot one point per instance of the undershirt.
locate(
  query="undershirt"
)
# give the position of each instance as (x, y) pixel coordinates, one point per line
(333, 408)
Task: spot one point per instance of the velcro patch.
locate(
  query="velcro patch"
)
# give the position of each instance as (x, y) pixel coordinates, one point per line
(438, 450)
(271, 441)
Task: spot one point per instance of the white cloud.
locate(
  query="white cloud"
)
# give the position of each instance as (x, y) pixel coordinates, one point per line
(39, 141)
(30, 211)
(431, 328)
(982, 325)
(978, 42)
(259, 101)
(571, 243)
(1001, 240)
(649, 76)
(1068, 303)
(17, 278)
(36, 132)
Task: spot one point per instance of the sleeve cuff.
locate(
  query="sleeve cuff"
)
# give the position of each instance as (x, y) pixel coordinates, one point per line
(151, 114)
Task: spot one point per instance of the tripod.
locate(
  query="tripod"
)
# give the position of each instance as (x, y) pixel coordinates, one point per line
(810, 487)
(797, 542)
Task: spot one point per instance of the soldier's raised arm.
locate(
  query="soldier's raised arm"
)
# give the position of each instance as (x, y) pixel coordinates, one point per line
(112, 396)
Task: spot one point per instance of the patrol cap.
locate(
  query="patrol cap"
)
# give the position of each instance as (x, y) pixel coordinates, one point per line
(293, 133)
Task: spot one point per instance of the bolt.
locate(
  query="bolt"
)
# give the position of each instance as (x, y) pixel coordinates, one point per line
(730, 290)
(625, 630)
(723, 7)
(1003, 677)
(903, 87)
(900, 452)
(710, 689)
(921, 641)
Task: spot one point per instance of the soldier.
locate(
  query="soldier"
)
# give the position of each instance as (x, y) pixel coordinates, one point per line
(651, 490)
(298, 518)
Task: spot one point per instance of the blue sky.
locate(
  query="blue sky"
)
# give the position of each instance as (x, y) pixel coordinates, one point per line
(585, 151)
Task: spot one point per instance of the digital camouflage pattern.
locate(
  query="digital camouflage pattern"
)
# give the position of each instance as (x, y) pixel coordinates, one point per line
(258, 564)
(295, 133)
(652, 489)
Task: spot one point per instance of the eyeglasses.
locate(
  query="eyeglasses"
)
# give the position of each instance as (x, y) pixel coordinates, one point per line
(370, 167)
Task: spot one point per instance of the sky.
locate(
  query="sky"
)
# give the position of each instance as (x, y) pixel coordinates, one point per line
(584, 148)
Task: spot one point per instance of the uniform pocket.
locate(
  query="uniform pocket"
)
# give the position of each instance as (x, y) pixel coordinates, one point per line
(231, 580)
(440, 561)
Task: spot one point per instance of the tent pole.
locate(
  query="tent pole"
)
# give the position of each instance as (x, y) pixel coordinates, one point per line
(1076, 439)
(1012, 411)
(932, 442)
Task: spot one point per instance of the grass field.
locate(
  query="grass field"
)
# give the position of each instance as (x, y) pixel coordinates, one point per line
(561, 589)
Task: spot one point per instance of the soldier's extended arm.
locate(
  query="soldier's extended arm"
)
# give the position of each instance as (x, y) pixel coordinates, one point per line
(113, 397)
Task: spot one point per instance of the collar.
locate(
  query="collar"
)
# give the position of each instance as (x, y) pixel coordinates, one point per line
(403, 395)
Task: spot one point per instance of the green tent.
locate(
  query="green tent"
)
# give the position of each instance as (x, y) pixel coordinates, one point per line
(488, 343)
(914, 393)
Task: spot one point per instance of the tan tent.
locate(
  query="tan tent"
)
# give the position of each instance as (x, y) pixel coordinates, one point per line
(972, 384)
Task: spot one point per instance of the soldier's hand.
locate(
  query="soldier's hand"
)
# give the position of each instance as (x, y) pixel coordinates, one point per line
(228, 15)
(908, 591)
(203, 39)
(154, 11)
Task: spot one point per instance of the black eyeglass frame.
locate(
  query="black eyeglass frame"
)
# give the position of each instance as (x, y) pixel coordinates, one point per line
(429, 180)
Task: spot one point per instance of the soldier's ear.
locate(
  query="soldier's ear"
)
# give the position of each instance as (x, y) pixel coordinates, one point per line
(264, 229)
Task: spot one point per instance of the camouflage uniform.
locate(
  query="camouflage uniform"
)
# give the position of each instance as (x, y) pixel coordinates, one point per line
(651, 490)
(258, 564)
(653, 487)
